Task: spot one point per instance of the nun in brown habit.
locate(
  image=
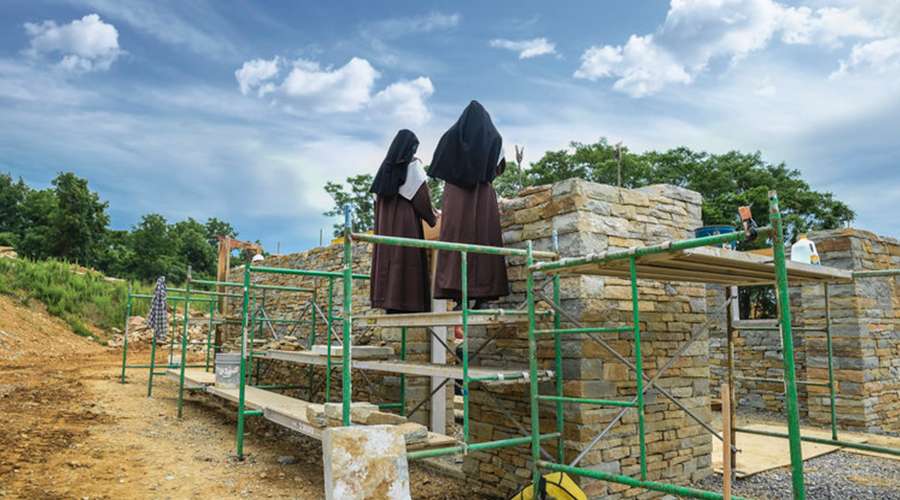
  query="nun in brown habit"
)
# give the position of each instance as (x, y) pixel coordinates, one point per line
(469, 157)
(399, 280)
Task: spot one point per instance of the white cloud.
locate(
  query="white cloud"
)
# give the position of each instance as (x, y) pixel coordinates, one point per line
(398, 27)
(405, 100)
(641, 66)
(254, 73)
(698, 32)
(345, 89)
(880, 56)
(86, 44)
(526, 48)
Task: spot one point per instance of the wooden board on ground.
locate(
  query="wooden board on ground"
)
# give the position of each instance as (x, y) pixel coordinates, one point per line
(194, 378)
(762, 453)
(712, 265)
(876, 440)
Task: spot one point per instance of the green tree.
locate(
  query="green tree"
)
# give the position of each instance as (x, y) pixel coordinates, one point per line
(12, 194)
(356, 194)
(78, 225)
(35, 237)
(193, 247)
(216, 228)
(154, 251)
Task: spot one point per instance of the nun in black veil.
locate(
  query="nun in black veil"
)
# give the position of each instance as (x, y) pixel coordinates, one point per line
(468, 157)
(399, 279)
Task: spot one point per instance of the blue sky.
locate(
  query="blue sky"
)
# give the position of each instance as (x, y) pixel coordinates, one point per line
(243, 110)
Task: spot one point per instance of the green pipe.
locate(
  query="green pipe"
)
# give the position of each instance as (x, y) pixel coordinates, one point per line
(831, 442)
(464, 297)
(253, 286)
(170, 298)
(172, 330)
(828, 348)
(305, 272)
(667, 246)
(588, 401)
(403, 375)
(638, 364)
(242, 381)
(278, 386)
(184, 339)
(574, 331)
(787, 342)
(165, 366)
(252, 413)
(876, 273)
(209, 331)
(347, 353)
(390, 406)
(125, 337)
(532, 369)
(152, 365)
(498, 312)
(488, 445)
(557, 348)
(448, 246)
(159, 373)
(498, 377)
(330, 320)
(215, 294)
(672, 489)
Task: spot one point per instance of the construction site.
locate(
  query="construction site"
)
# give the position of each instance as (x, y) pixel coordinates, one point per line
(619, 359)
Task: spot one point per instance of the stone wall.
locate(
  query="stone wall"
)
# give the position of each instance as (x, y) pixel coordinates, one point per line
(866, 346)
(590, 218)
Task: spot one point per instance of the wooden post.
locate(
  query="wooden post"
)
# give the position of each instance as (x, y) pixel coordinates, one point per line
(732, 314)
(727, 465)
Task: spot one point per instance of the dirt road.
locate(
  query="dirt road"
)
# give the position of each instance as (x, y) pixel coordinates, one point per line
(71, 430)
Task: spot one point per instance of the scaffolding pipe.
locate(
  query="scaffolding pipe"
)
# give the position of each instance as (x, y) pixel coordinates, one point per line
(346, 343)
(489, 445)
(450, 247)
(787, 341)
(671, 489)
(184, 344)
(125, 336)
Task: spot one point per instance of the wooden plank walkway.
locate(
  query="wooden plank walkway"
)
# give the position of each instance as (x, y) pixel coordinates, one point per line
(194, 378)
(712, 265)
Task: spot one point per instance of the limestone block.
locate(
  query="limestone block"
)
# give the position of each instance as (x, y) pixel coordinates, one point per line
(412, 432)
(365, 463)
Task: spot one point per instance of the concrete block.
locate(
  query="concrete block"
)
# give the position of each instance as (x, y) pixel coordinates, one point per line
(365, 463)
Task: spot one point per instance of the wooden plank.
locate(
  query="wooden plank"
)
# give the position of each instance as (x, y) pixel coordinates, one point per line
(194, 378)
(447, 318)
(291, 413)
(392, 366)
(762, 453)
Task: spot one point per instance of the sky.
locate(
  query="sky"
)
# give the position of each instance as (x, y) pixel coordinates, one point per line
(244, 110)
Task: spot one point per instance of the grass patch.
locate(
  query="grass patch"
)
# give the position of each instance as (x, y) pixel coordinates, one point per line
(76, 295)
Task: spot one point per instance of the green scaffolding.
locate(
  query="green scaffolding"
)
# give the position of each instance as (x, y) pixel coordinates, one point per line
(551, 268)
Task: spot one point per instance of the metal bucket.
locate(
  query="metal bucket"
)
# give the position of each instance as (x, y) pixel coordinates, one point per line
(228, 370)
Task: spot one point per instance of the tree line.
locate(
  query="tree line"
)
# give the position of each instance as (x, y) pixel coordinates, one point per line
(726, 181)
(69, 222)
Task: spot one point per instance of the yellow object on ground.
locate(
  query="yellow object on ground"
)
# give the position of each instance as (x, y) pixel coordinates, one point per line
(556, 486)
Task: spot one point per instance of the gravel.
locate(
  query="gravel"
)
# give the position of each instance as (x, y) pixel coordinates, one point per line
(839, 475)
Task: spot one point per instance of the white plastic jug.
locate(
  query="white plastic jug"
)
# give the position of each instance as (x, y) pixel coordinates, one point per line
(805, 251)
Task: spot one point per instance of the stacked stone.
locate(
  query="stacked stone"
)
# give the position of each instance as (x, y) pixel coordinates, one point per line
(590, 218)
(757, 353)
(866, 343)
(866, 350)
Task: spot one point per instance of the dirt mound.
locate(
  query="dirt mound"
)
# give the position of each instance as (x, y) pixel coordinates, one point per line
(26, 330)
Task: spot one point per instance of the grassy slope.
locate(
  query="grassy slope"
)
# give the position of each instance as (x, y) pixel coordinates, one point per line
(78, 296)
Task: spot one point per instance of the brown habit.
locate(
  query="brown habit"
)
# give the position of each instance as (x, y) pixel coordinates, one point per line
(399, 281)
(471, 215)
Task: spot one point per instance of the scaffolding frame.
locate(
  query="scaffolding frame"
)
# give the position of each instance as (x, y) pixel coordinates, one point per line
(554, 267)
